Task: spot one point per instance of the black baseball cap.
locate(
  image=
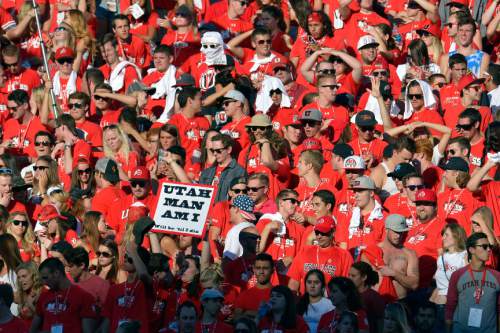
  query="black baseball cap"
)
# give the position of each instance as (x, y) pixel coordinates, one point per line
(343, 150)
(365, 118)
(401, 170)
(456, 164)
(385, 90)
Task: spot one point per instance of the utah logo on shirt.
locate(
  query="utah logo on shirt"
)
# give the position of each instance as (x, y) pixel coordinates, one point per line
(456, 207)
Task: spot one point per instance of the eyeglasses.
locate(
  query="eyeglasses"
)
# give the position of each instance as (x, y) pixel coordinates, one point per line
(100, 98)
(19, 222)
(255, 189)
(10, 65)
(310, 123)
(379, 73)
(75, 106)
(63, 61)
(257, 128)
(264, 41)
(88, 170)
(134, 183)
(484, 246)
(331, 86)
(104, 254)
(464, 127)
(416, 96)
(415, 187)
(40, 167)
(239, 191)
(7, 171)
(42, 143)
(326, 71)
(292, 200)
(212, 46)
(366, 128)
(450, 152)
(275, 91)
(217, 150)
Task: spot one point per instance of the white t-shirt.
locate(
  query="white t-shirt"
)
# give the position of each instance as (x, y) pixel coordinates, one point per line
(232, 246)
(452, 262)
(315, 311)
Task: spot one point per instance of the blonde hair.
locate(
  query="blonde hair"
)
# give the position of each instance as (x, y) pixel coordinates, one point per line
(74, 207)
(23, 12)
(315, 158)
(436, 49)
(125, 147)
(69, 42)
(29, 236)
(79, 25)
(32, 269)
(214, 274)
(458, 234)
(462, 179)
(486, 215)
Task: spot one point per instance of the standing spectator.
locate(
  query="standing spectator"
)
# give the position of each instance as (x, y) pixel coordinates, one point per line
(212, 301)
(65, 306)
(472, 298)
(30, 288)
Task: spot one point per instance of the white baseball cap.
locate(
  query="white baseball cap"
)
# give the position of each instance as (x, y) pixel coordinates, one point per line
(366, 40)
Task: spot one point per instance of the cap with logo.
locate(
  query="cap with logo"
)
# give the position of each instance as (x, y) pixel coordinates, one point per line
(365, 118)
(246, 205)
(367, 40)
(429, 28)
(426, 195)
(312, 114)
(311, 144)
(396, 222)
(185, 80)
(401, 170)
(65, 52)
(141, 172)
(467, 80)
(456, 164)
(354, 162)
(235, 95)
(109, 169)
(325, 224)
(47, 213)
(291, 119)
(363, 183)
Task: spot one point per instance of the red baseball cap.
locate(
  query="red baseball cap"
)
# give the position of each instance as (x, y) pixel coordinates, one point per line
(65, 52)
(459, 2)
(315, 17)
(430, 28)
(291, 118)
(48, 213)
(426, 195)
(279, 64)
(141, 172)
(467, 80)
(311, 144)
(325, 224)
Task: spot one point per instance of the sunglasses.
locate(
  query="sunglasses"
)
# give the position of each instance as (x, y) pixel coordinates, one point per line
(319, 233)
(217, 150)
(331, 86)
(40, 167)
(242, 330)
(243, 3)
(326, 71)
(310, 123)
(379, 73)
(13, 108)
(5, 170)
(10, 65)
(256, 128)
(464, 127)
(484, 246)
(264, 41)
(134, 183)
(75, 106)
(88, 170)
(440, 84)
(212, 46)
(103, 254)
(275, 91)
(415, 187)
(226, 103)
(415, 96)
(181, 15)
(100, 98)
(255, 189)
(63, 61)
(239, 191)
(292, 200)
(19, 222)
(354, 171)
(61, 29)
(366, 128)
(450, 152)
(42, 143)
(424, 34)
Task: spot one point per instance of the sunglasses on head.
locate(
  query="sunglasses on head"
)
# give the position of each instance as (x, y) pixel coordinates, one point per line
(19, 222)
(255, 189)
(217, 150)
(292, 200)
(239, 191)
(212, 46)
(88, 170)
(484, 246)
(61, 29)
(136, 182)
(415, 187)
(100, 98)
(109, 127)
(5, 170)
(40, 167)
(75, 106)
(464, 127)
(331, 86)
(264, 41)
(415, 96)
(103, 254)
(42, 143)
(63, 61)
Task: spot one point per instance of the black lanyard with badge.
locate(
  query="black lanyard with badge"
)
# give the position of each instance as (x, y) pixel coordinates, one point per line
(59, 308)
(476, 311)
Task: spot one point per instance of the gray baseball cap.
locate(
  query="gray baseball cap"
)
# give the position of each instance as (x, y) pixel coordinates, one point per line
(236, 95)
(109, 169)
(363, 183)
(396, 222)
(311, 114)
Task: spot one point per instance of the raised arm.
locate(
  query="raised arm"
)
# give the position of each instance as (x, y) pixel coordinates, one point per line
(233, 44)
(476, 179)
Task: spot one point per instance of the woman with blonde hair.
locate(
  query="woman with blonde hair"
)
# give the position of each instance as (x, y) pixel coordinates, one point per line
(482, 221)
(85, 44)
(93, 227)
(29, 289)
(117, 147)
(65, 203)
(396, 319)
(433, 43)
(45, 177)
(19, 226)
(454, 257)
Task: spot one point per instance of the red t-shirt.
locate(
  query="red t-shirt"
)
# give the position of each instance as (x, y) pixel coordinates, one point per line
(184, 45)
(306, 194)
(110, 117)
(428, 115)
(135, 51)
(250, 299)
(267, 325)
(154, 106)
(287, 245)
(476, 155)
(191, 131)
(332, 261)
(457, 206)
(399, 204)
(27, 80)
(248, 65)
(22, 136)
(128, 78)
(92, 133)
(449, 96)
(491, 191)
(230, 28)
(105, 200)
(62, 98)
(66, 307)
(14, 325)
(375, 147)
(372, 232)
(338, 114)
(451, 116)
(237, 130)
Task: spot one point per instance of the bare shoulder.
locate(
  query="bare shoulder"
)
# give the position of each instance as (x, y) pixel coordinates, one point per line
(410, 252)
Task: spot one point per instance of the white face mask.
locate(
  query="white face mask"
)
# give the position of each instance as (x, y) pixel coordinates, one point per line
(212, 46)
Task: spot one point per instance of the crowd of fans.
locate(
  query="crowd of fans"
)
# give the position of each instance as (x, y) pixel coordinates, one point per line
(353, 147)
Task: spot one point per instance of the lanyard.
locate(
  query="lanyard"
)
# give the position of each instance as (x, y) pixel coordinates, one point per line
(478, 292)
(449, 206)
(305, 203)
(22, 136)
(58, 305)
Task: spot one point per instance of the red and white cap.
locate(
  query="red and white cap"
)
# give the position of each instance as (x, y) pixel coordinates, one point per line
(141, 172)
(65, 52)
(325, 224)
